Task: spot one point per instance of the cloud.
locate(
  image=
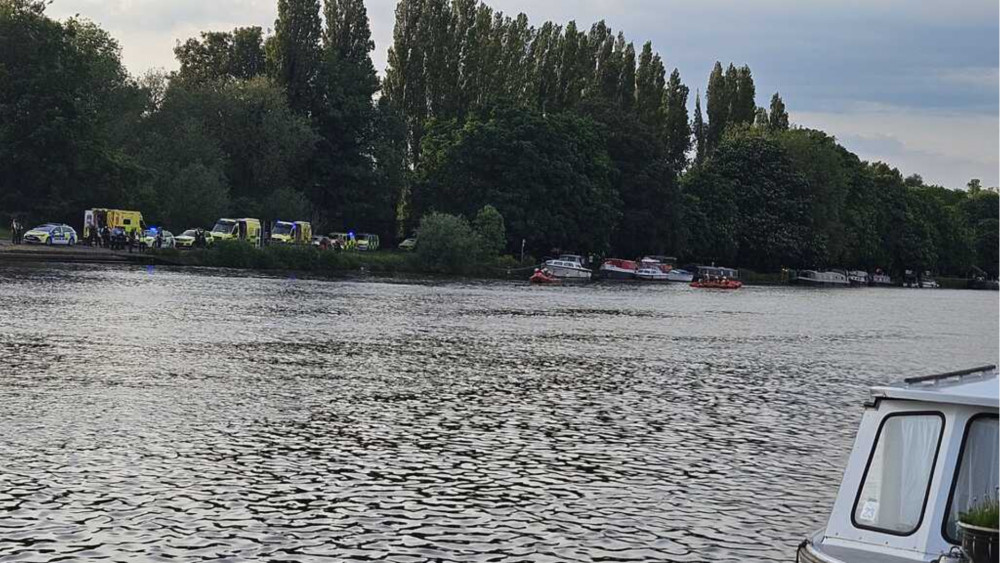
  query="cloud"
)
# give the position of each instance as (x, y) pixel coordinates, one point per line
(944, 148)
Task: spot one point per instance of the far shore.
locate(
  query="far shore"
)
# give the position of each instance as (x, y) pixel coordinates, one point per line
(382, 263)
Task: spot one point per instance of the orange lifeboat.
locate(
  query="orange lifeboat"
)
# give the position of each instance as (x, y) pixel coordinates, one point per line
(717, 284)
(543, 276)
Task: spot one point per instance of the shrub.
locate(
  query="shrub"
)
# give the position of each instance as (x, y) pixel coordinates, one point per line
(447, 244)
(490, 229)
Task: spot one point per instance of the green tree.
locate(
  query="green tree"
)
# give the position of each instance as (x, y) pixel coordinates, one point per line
(294, 55)
(66, 105)
(698, 130)
(550, 177)
(344, 183)
(717, 101)
(491, 232)
(447, 244)
(404, 83)
(220, 55)
(650, 80)
(677, 133)
(743, 104)
(778, 117)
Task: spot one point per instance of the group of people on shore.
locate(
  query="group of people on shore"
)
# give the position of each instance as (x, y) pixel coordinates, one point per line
(16, 231)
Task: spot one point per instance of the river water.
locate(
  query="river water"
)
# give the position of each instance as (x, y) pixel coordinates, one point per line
(155, 414)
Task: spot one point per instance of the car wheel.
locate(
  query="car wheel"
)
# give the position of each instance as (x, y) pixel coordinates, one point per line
(48, 241)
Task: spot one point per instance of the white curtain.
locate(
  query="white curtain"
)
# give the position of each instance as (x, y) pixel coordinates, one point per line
(979, 469)
(893, 493)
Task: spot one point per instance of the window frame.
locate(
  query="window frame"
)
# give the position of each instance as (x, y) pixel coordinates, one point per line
(930, 478)
(958, 470)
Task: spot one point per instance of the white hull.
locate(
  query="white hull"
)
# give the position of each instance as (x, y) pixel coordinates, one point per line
(653, 274)
(567, 272)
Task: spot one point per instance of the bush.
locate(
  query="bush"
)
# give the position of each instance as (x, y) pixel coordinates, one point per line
(447, 244)
(490, 229)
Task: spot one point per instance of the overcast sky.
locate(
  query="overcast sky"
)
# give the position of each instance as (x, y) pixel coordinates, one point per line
(911, 82)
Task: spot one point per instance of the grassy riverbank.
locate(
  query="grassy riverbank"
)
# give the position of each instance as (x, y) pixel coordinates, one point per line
(312, 259)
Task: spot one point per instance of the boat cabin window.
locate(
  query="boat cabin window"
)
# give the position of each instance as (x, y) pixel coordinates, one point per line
(978, 471)
(897, 479)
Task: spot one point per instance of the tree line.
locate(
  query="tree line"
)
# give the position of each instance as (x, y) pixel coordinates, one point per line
(577, 138)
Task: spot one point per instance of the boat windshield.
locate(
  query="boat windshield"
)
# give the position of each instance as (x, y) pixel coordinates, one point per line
(978, 471)
(894, 490)
(225, 226)
(282, 228)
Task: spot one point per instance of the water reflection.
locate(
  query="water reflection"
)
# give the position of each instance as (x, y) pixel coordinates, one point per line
(205, 416)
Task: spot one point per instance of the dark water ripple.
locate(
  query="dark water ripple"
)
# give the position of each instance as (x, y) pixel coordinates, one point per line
(164, 415)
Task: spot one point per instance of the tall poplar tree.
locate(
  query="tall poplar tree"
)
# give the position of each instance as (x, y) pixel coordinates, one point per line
(677, 129)
(778, 117)
(404, 83)
(743, 105)
(698, 130)
(717, 102)
(345, 191)
(625, 97)
(294, 51)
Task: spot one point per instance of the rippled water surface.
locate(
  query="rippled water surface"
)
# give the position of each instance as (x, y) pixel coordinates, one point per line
(184, 415)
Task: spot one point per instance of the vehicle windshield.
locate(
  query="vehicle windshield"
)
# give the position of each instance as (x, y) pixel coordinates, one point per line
(224, 227)
(189, 233)
(282, 228)
(45, 227)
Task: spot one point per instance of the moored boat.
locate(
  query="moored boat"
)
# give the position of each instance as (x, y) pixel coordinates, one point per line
(618, 269)
(568, 266)
(857, 278)
(715, 273)
(880, 278)
(717, 284)
(927, 450)
(542, 276)
(817, 279)
(651, 268)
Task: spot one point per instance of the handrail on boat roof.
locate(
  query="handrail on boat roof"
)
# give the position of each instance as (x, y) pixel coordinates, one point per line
(946, 375)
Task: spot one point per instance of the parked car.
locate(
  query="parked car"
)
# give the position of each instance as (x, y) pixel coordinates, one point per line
(186, 239)
(51, 233)
(408, 244)
(149, 238)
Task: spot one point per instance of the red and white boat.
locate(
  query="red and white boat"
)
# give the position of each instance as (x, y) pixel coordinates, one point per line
(618, 269)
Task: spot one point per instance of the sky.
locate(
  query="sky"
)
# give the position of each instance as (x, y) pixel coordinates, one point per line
(913, 83)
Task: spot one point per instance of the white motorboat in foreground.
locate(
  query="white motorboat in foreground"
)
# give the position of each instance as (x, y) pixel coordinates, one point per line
(569, 266)
(927, 450)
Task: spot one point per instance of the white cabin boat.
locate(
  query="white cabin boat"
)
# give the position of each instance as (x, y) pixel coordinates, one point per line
(927, 449)
(569, 266)
(878, 278)
(857, 277)
(815, 278)
(652, 269)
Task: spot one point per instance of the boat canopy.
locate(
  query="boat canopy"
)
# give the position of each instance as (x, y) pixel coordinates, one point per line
(976, 387)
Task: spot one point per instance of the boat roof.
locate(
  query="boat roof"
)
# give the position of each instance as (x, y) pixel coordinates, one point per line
(976, 386)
